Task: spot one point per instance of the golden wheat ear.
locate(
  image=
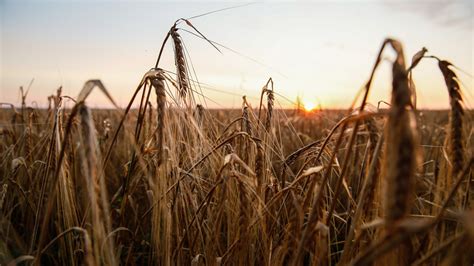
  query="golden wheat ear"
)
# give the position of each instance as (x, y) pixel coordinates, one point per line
(159, 85)
(401, 155)
(455, 134)
(180, 61)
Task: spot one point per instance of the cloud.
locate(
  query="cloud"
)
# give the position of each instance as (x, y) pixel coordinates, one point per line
(447, 13)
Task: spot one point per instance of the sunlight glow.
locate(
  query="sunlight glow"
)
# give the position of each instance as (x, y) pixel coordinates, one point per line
(309, 106)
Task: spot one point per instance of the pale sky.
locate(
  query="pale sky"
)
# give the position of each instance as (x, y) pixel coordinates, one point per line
(322, 51)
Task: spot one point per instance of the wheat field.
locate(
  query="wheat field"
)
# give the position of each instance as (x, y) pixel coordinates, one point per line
(170, 182)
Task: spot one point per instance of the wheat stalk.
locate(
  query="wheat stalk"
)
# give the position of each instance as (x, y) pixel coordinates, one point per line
(101, 223)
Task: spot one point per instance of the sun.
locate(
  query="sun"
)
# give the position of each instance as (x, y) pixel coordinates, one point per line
(309, 106)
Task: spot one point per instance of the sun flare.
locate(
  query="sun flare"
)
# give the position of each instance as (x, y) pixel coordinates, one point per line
(309, 106)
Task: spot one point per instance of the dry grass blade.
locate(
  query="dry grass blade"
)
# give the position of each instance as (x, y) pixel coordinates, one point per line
(417, 58)
(89, 86)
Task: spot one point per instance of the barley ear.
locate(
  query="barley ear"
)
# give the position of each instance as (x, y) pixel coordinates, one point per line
(159, 85)
(455, 131)
(401, 155)
(180, 61)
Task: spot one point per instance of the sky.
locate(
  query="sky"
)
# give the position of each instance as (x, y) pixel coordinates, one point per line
(321, 51)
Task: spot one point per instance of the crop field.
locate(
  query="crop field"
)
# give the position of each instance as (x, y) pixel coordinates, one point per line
(167, 181)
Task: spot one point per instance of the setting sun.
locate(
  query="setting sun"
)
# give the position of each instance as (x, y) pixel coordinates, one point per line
(309, 106)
